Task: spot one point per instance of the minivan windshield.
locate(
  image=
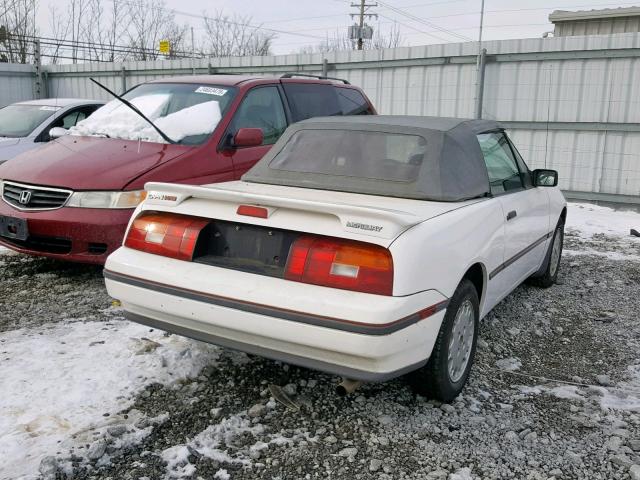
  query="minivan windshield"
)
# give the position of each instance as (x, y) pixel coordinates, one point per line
(22, 120)
(186, 113)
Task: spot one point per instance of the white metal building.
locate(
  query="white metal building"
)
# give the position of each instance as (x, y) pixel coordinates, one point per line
(596, 22)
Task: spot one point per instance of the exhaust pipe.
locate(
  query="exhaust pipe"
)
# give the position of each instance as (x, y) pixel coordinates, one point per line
(347, 386)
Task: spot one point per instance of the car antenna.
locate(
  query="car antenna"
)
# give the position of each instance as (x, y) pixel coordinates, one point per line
(135, 109)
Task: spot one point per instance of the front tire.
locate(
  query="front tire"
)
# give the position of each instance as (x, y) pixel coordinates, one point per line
(447, 370)
(549, 275)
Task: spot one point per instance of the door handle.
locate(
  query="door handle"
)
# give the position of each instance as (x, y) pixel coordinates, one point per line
(511, 214)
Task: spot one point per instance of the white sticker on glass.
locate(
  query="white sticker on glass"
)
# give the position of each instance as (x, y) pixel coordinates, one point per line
(211, 91)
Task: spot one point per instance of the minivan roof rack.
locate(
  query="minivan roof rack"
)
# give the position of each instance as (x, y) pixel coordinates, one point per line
(319, 77)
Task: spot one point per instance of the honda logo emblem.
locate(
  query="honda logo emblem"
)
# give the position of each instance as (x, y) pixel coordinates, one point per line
(25, 197)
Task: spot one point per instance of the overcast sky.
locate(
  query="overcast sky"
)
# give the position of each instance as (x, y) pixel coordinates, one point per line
(307, 22)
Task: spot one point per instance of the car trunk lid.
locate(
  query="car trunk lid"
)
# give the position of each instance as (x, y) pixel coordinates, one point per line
(356, 216)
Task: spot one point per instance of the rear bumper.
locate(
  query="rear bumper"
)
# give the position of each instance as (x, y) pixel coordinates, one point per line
(73, 234)
(355, 335)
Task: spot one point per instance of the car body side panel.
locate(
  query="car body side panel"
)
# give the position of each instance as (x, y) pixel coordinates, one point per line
(429, 259)
(530, 226)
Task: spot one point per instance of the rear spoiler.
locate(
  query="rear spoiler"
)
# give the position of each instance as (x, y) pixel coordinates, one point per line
(363, 220)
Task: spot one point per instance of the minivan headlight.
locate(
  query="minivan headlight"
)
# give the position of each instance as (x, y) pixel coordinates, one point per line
(106, 199)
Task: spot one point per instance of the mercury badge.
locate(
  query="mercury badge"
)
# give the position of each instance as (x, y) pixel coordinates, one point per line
(364, 226)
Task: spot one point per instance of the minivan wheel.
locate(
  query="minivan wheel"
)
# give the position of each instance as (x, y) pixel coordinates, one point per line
(549, 275)
(447, 370)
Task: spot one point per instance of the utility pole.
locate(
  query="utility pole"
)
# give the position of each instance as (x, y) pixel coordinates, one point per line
(361, 33)
(480, 68)
(37, 60)
(193, 54)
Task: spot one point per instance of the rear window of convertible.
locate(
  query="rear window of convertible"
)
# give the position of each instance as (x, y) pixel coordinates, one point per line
(352, 153)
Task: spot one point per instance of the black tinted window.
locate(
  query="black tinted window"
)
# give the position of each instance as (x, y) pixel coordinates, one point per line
(352, 102)
(311, 100)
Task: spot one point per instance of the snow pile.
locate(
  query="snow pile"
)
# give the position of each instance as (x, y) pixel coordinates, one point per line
(510, 364)
(462, 474)
(210, 443)
(116, 120)
(75, 374)
(624, 396)
(588, 220)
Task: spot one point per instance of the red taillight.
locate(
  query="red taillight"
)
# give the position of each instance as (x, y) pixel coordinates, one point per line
(338, 263)
(165, 234)
(253, 211)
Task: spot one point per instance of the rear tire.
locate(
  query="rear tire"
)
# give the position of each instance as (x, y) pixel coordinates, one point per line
(549, 275)
(447, 371)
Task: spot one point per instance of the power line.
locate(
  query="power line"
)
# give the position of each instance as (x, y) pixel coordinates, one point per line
(415, 29)
(226, 21)
(425, 22)
(286, 20)
(89, 46)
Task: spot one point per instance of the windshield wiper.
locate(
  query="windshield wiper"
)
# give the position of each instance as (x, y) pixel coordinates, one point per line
(135, 109)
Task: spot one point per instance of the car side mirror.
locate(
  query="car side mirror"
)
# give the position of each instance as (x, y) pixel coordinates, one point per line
(248, 137)
(545, 178)
(57, 132)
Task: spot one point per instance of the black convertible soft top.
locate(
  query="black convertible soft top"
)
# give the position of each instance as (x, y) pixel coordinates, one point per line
(425, 158)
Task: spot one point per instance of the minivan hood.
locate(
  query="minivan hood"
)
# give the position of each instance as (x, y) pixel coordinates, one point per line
(89, 163)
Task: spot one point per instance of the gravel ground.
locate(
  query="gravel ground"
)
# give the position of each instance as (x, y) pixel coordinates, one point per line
(554, 393)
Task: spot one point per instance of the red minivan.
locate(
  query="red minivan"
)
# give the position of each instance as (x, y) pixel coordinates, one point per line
(72, 198)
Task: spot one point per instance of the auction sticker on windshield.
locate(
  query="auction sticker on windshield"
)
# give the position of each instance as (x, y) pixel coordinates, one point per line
(211, 91)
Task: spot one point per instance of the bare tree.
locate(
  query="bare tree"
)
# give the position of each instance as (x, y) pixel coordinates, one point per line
(234, 36)
(340, 42)
(391, 39)
(151, 22)
(60, 26)
(17, 30)
(103, 30)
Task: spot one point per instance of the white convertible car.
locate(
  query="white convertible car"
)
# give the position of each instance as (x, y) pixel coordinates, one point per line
(367, 247)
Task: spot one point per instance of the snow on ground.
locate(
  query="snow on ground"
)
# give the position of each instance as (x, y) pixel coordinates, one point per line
(57, 383)
(609, 255)
(624, 396)
(588, 220)
(209, 443)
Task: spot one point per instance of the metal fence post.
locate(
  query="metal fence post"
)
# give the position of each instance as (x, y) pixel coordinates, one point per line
(482, 63)
(325, 67)
(123, 78)
(45, 84)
